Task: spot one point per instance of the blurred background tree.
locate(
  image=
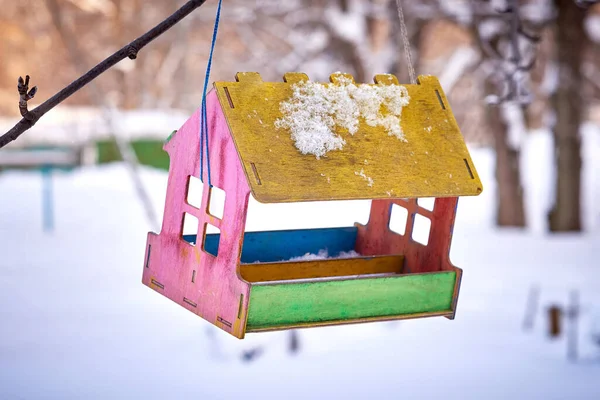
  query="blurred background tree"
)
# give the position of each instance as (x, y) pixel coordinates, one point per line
(508, 67)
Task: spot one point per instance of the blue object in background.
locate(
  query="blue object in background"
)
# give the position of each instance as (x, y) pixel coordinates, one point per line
(47, 199)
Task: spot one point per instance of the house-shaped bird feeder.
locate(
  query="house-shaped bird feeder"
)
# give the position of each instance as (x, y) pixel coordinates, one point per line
(300, 141)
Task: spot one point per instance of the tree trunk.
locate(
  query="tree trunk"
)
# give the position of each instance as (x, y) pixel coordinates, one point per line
(568, 104)
(344, 6)
(379, 24)
(510, 207)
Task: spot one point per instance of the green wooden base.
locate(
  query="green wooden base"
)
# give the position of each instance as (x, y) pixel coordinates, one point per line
(295, 304)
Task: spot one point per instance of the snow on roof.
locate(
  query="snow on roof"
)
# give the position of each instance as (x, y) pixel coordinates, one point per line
(316, 109)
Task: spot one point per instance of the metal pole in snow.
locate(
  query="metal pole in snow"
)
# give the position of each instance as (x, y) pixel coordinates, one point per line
(47, 203)
(573, 316)
(531, 308)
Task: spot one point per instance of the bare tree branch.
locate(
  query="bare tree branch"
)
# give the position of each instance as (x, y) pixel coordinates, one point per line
(127, 153)
(131, 50)
(25, 94)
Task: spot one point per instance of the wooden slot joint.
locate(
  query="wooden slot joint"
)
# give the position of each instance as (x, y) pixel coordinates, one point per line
(439, 97)
(228, 95)
(148, 256)
(469, 168)
(255, 171)
(239, 315)
(224, 322)
(157, 283)
(189, 302)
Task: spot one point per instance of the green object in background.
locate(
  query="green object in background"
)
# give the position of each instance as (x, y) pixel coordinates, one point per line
(149, 152)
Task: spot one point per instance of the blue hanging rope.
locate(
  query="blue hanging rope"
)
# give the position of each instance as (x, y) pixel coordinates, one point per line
(203, 116)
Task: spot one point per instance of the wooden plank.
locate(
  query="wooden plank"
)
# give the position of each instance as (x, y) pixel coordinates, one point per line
(456, 292)
(338, 301)
(203, 284)
(434, 162)
(268, 272)
(445, 314)
(274, 246)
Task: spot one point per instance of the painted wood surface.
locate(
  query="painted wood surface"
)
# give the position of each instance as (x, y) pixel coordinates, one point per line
(268, 272)
(376, 238)
(310, 304)
(214, 288)
(206, 285)
(272, 246)
(434, 162)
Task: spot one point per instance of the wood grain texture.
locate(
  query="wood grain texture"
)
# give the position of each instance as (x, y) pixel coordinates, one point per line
(170, 261)
(313, 303)
(433, 163)
(268, 272)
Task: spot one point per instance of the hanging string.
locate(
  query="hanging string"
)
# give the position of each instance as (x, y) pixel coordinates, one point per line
(404, 32)
(203, 115)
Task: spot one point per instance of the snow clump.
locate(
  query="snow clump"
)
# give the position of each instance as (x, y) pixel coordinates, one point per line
(315, 109)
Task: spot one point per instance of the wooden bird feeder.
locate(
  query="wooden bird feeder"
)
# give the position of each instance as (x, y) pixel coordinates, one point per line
(244, 282)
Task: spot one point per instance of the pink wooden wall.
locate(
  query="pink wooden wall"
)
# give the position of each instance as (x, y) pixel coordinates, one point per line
(216, 292)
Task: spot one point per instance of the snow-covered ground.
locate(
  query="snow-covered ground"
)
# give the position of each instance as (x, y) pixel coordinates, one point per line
(76, 322)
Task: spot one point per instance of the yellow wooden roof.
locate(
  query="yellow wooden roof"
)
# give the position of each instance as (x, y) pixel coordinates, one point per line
(433, 162)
